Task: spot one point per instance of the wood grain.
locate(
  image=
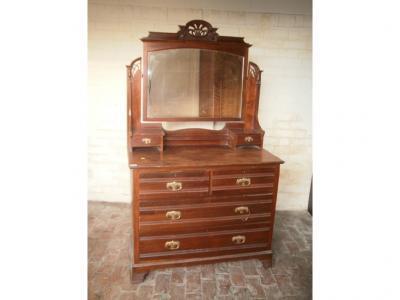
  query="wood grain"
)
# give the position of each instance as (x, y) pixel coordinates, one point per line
(224, 185)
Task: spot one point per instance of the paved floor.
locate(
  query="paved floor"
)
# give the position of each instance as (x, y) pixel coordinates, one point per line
(108, 274)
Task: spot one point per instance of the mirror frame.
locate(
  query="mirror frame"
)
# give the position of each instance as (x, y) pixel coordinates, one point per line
(196, 34)
(244, 132)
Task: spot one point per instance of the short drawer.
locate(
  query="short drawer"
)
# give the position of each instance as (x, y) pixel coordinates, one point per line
(243, 180)
(249, 139)
(146, 140)
(187, 183)
(203, 242)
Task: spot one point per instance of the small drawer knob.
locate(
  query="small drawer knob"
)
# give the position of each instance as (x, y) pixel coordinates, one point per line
(248, 139)
(146, 141)
(243, 181)
(172, 245)
(173, 215)
(239, 239)
(174, 186)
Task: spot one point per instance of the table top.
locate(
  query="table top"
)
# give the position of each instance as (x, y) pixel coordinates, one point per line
(200, 156)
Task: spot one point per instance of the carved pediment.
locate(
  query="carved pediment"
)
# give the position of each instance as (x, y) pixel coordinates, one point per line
(194, 31)
(198, 30)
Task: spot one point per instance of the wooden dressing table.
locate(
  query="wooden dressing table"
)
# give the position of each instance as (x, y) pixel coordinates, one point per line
(199, 196)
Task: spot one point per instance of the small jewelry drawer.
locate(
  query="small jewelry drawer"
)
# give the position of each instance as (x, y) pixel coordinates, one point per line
(252, 139)
(146, 140)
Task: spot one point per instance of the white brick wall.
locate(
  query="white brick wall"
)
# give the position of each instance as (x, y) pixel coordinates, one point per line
(281, 47)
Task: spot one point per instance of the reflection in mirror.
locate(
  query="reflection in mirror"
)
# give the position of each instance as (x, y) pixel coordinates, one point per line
(194, 83)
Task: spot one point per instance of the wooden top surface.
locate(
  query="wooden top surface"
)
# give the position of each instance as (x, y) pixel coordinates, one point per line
(200, 156)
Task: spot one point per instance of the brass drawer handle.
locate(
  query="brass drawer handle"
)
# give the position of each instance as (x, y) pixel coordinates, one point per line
(173, 215)
(248, 139)
(146, 141)
(243, 181)
(239, 239)
(172, 245)
(242, 210)
(174, 186)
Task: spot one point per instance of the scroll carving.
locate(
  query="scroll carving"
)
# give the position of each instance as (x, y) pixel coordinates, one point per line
(134, 66)
(255, 72)
(198, 30)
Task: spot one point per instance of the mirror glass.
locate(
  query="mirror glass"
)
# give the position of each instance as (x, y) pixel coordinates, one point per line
(194, 83)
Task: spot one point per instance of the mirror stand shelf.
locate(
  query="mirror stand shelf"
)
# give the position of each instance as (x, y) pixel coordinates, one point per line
(199, 196)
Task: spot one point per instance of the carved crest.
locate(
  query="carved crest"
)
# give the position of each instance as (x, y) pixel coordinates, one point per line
(134, 66)
(255, 72)
(198, 30)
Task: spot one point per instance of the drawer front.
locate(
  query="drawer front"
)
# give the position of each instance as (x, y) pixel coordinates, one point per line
(146, 140)
(204, 214)
(179, 213)
(249, 139)
(151, 228)
(173, 202)
(162, 184)
(243, 180)
(203, 243)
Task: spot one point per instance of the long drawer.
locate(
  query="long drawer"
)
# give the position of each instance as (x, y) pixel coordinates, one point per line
(166, 216)
(178, 213)
(204, 225)
(176, 184)
(208, 200)
(203, 243)
(243, 180)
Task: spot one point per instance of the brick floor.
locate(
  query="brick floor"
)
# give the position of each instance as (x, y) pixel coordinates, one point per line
(108, 260)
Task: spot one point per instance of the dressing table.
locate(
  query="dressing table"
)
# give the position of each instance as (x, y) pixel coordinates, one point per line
(199, 196)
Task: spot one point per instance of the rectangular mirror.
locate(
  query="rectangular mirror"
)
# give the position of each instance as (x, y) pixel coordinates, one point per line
(194, 84)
